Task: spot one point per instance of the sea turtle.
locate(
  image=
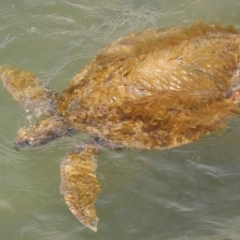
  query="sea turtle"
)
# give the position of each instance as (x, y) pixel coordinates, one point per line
(154, 89)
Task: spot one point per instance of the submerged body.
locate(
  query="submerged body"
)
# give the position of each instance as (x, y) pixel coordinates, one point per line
(148, 90)
(156, 89)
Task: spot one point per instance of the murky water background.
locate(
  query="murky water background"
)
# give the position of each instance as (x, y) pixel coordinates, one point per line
(190, 192)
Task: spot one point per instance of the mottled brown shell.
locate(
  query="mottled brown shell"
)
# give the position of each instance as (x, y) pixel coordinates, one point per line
(156, 89)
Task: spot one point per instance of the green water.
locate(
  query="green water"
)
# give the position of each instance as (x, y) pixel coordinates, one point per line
(190, 192)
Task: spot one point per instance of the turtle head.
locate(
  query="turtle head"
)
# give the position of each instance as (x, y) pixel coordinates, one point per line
(42, 132)
(26, 138)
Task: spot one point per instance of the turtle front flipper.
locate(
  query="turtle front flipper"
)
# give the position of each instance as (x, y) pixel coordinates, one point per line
(29, 91)
(79, 184)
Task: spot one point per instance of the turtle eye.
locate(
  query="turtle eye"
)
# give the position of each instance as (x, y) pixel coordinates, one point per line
(18, 144)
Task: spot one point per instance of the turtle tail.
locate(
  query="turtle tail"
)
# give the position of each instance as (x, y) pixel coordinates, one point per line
(29, 91)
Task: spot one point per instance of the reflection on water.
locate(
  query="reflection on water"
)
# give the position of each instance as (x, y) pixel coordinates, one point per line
(191, 192)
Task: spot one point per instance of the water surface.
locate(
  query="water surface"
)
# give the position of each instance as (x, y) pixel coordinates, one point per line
(190, 192)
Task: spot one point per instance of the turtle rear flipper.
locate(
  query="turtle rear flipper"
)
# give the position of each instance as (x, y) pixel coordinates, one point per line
(29, 91)
(233, 94)
(79, 184)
